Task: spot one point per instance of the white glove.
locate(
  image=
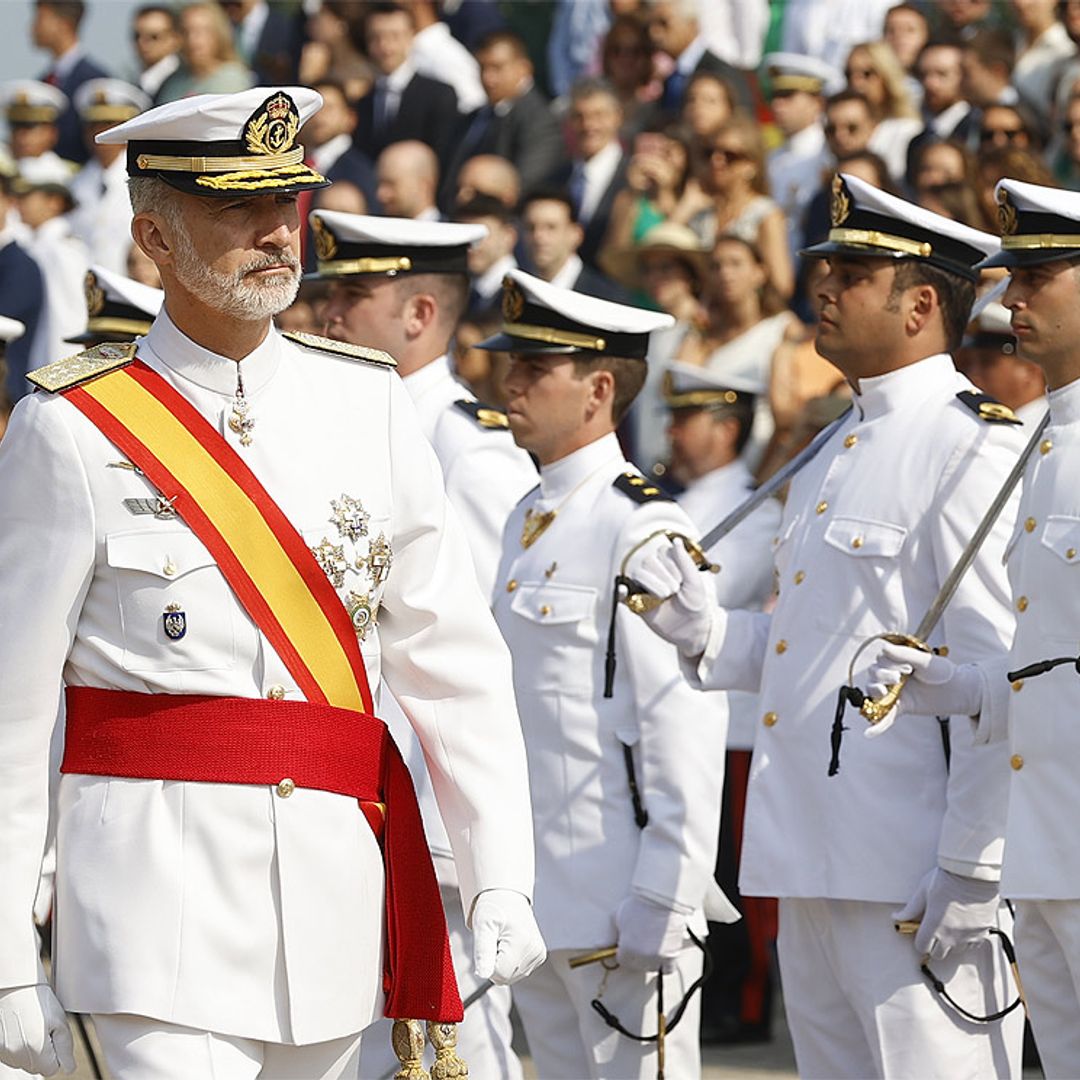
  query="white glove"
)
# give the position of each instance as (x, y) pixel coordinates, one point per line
(650, 936)
(936, 687)
(34, 1032)
(956, 912)
(507, 944)
(687, 614)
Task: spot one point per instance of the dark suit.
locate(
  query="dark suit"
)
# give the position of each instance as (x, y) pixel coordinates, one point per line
(598, 223)
(426, 111)
(675, 84)
(70, 145)
(22, 297)
(965, 133)
(527, 135)
(277, 52)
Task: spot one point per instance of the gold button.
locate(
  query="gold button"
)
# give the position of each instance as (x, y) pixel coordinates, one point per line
(850, 441)
(285, 788)
(1045, 445)
(169, 569)
(511, 585)
(1021, 603)
(1070, 553)
(545, 609)
(857, 542)
(276, 692)
(942, 650)
(781, 646)
(800, 577)
(821, 507)
(1018, 685)
(1017, 762)
(775, 540)
(1029, 525)
(769, 719)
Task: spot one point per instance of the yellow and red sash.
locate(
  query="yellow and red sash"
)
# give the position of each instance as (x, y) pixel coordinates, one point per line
(282, 587)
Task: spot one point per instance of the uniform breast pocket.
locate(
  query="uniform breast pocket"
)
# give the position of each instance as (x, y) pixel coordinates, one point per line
(560, 622)
(782, 546)
(1055, 609)
(176, 611)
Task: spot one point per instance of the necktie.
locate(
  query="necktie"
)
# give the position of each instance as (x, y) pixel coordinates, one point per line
(576, 187)
(674, 89)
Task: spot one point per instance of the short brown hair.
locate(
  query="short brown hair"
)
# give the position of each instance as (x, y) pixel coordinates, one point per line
(629, 376)
(955, 294)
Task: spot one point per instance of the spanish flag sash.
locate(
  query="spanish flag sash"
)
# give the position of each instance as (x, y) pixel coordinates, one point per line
(286, 593)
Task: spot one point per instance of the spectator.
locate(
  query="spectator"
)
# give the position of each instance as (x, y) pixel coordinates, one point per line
(1017, 164)
(334, 49)
(798, 84)
(707, 106)
(491, 258)
(943, 175)
(342, 196)
(267, 40)
(489, 174)
(516, 123)
(988, 65)
(627, 63)
(56, 29)
(328, 141)
(849, 124)
(906, 31)
(407, 175)
(675, 29)
(1043, 46)
(577, 32)
(656, 184)
(33, 110)
(1067, 159)
(155, 33)
(946, 113)
(597, 171)
(737, 188)
(22, 297)
(960, 20)
(552, 236)
(439, 55)
(828, 31)
(403, 104)
(1009, 125)
(102, 218)
(208, 60)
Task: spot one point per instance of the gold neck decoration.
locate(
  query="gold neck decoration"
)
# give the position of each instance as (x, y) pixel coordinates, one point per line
(537, 521)
(241, 420)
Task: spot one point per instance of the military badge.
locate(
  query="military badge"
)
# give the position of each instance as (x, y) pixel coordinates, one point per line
(349, 517)
(95, 294)
(840, 202)
(1006, 214)
(174, 621)
(325, 244)
(513, 301)
(272, 129)
(377, 561)
(331, 557)
(361, 614)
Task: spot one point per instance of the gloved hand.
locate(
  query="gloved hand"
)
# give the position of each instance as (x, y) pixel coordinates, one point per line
(956, 912)
(936, 687)
(34, 1032)
(507, 944)
(686, 618)
(650, 936)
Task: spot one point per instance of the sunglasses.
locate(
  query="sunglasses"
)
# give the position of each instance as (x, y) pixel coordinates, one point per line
(729, 157)
(147, 35)
(1008, 134)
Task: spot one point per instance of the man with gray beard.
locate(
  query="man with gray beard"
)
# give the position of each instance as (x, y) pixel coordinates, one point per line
(214, 542)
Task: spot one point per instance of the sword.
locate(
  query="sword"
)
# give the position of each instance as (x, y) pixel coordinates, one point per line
(876, 709)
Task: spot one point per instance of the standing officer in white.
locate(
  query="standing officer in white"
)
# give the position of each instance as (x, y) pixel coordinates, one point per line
(411, 311)
(1038, 714)
(871, 528)
(236, 929)
(626, 786)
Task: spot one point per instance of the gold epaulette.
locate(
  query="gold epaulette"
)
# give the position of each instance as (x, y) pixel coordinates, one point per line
(639, 489)
(341, 348)
(82, 367)
(486, 416)
(987, 408)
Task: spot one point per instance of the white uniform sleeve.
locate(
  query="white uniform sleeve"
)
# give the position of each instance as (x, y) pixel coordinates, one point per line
(46, 562)
(449, 669)
(735, 653)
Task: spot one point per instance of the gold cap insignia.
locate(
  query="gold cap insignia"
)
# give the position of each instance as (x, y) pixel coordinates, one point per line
(272, 129)
(513, 300)
(95, 294)
(840, 203)
(325, 243)
(1006, 214)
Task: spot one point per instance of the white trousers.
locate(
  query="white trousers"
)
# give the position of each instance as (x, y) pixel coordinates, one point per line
(138, 1048)
(569, 1040)
(858, 1005)
(483, 1036)
(1048, 952)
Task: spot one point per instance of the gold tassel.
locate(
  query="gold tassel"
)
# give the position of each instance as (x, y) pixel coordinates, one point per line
(448, 1066)
(407, 1039)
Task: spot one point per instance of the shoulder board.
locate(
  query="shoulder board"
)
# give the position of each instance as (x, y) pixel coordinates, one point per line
(340, 348)
(84, 366)
(485, 415)
(986, 408)
(639, 489)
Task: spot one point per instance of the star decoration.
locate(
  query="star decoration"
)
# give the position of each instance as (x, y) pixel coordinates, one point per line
(378, 560)
(349, 517)
(331, 557)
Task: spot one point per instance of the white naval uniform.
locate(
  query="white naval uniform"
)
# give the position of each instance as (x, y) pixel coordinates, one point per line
(1042, 863)
(64, 260)
(553, 605)
(230, 908)
(871, 528)
(486, 475)
(102, 216)
(795, 176)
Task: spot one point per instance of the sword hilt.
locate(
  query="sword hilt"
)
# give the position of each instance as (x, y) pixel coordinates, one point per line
(874, 710)
(638, 599)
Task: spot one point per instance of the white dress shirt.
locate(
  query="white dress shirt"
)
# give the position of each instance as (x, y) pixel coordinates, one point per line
(439, 55)
(598, 172)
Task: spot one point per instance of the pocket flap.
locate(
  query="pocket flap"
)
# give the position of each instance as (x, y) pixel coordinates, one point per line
(1062, 536)
(166, 554)
(864, 538)
(546, 602)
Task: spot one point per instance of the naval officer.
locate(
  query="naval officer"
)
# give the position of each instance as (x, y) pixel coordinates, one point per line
(117, 308)
(626, 771)
(401, 285)
(1036, 715)
(215, 541)
(871, 528)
